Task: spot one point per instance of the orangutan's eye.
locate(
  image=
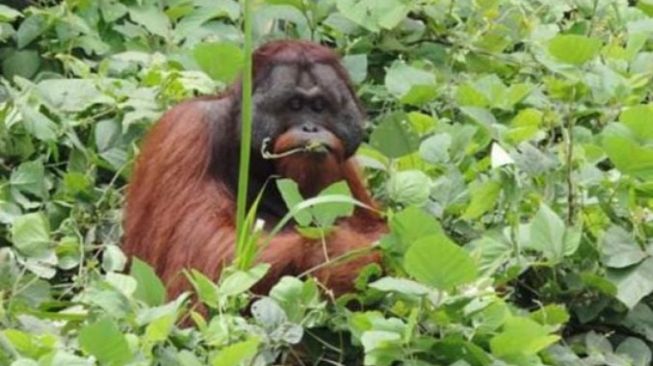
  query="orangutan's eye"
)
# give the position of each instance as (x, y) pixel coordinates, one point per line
(318, 105)
(296, 103)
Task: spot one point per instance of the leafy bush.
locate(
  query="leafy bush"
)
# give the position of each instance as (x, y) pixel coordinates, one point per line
(512, 145)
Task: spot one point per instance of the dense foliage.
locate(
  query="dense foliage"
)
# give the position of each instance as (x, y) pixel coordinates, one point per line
(511, 143)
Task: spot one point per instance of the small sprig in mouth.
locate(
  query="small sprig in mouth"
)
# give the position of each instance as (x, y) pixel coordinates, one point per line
(310, 146)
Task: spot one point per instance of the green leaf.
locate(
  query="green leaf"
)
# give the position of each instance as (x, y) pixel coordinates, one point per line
(220, 60)
(620, 249)
(296, 298)
(410, 84)
(525, 125)
(422, 123)
(150, 288)
(76, 183)
(188, 358)
(299, 4)
(495, 250)
(633, 283)
(268, 313)
(8, 14)
(468, 95)
(121, 282)
(206, 290)
(326, 214)
(159, 329)
(413, 223)
(154, 20)
(640, 320)
(521, 337)
(37, 124)
(30, 28)
(381, 347)
(68, 253)
(113, 259)
(356, 66)
(116, 157)
(237, 353)
(629, 157)
(291, 196)
(112, 11)
(599, 282)
(419, 94)
(552, 314)
(636, 350)
(484, 197)
(401, 286)
(437, 261)
(239, 281)
(548, 234)
(30, 234)
(107, 133)
(435, 149)
(515, 94)
(638, 119)
(29, 177)
(63, 358)
(574, 49)
(72, 95)
(394, 136)
(482, 116)
(374, 15)
(597, 344)
(24, 63)
(456, 348)
(409, 187)
(105, 342)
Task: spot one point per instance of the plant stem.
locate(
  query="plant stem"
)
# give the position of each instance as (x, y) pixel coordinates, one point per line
(246, 123)
(571, 209)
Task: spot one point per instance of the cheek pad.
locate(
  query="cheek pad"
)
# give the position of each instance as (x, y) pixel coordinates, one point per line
(351, 135)
(264, 126)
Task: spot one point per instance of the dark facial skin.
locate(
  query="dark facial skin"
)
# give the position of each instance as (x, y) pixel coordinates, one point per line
(311, 99)
(292, 102)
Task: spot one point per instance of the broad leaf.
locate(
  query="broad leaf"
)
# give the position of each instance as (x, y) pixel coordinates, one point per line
(548, 234)
(394, 136)
(372, 14)
(620, 249)
(150, 288)
(222, 61)
(104, 340)
(629, 157)
(437, 261)
(574, 49)
(29, 177)
(409, 187)
(633, 283)
(237, 353)
(291, 196)
(484, 197)
(410, 84)
(30, 234)
(638, 119)
(521, 337)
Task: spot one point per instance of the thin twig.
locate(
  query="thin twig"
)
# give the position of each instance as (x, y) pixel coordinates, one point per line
(341, 258)
(312, 146)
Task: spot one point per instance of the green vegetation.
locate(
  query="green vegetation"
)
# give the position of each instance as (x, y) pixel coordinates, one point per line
(511, 145)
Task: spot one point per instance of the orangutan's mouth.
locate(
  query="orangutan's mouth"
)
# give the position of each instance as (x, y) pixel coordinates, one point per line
(316, 146)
